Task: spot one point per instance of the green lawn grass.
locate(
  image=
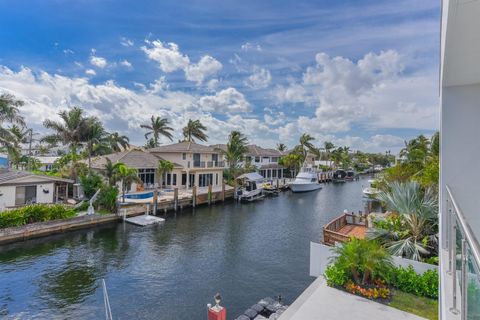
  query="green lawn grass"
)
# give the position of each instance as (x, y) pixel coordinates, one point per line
(421, 306)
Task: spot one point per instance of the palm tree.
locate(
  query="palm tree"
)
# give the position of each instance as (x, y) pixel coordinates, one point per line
(328, 146)
(111, 171)
(362, 260)
(118, 142)
(306, 144)
(127, 176)
(236, 149)
(158, 127)
(93, 135)
(281, 147)
(9, 113)
(413, 234)
(194, 129)
(164, 167)
(69, 131)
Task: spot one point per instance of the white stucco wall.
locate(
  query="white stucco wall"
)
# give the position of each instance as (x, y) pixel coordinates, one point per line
(43, 197)
(7, 198)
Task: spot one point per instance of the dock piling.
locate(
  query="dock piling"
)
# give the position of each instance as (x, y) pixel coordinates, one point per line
(209, 195)
(175, 199)
(194, 196)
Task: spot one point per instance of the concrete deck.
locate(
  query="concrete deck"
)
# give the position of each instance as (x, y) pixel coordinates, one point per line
(320, 301)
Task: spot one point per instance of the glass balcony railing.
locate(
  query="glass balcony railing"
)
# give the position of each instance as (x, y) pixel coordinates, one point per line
(464, 263)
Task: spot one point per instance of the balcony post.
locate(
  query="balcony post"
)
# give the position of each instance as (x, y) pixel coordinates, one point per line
(463, 306)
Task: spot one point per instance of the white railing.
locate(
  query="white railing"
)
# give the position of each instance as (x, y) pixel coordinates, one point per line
(463, 262)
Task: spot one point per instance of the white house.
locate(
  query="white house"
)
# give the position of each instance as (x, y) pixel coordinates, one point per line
(18, 188)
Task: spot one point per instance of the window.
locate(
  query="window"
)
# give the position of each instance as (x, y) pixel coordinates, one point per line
(169, 179)
(216, 179)
(25, 195)
(257, 159)
(266, 159)
(184, 179)
(205, 179)
(274, 159)
(274, 173)
(174, 183)
(215, 157)
(184, 156)
(147, 176)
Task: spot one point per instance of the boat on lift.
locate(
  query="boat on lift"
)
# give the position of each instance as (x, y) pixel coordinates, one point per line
(339, 176)
(306, 180)
(252, 188)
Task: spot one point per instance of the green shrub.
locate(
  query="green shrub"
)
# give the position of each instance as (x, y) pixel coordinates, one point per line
(335, 276)
(90, 184)
(107, 198)
(407, 280)
(34, 213)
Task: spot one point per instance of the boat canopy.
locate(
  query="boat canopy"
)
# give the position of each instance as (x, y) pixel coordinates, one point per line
(252, 176)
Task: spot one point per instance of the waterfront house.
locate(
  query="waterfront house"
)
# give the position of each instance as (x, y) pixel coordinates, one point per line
(196, 164)
(265, 160)
(46, 162)
(18, 188)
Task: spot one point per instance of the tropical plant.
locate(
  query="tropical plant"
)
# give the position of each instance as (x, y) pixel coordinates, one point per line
(9, 113)
(34, 213)
(362, 261)
(90, 183)
(164, 167)
(94, 134)
(408, 280)
(117, 142)
(127, 175)
(107, 198)
(417, 210)
(293, 161)
(237, 146)
(281, 147)
(157, 127)
(328, 146)
(306, 144)
(110, 171)
(194, 130)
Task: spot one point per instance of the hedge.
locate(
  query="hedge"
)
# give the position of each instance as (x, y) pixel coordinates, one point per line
(34, 213)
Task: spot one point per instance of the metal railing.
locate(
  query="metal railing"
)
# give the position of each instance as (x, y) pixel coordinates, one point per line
(463, 262)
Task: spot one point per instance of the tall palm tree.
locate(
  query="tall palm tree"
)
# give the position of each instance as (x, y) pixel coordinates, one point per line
(93, 135)
(111, 171)
(328, 146)
(281, 147)
(306, 144)
(414, 234)
(118, 142)
(164, 167)
(194, 129)
(69, 130)
(9, 113)
(236, 149)
(158, 127)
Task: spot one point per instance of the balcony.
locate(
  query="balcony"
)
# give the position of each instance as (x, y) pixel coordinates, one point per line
(207, 164)
(463, 268)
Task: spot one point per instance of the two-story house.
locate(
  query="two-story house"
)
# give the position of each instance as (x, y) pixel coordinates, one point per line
(198, 165)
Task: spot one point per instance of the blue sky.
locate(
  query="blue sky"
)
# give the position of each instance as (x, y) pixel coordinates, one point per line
(359, 73)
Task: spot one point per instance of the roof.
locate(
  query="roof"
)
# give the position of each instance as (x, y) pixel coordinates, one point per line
(257, 151)
(182, 147)
(134, 158)
(252, 176)
(8, 176)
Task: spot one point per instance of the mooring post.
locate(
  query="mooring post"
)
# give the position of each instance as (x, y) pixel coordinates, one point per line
(147, 212)
(223, 190)
(194, 196)
(209, 194)
(155, 201)
(175, 199)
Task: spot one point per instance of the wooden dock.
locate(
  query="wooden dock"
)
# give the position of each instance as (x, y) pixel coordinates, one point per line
(343, 227)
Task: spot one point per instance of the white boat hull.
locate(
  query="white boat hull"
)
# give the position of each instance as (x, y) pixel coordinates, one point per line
(304, 187)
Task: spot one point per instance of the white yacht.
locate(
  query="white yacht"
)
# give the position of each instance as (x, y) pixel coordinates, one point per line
(252, 187)
(306, 180)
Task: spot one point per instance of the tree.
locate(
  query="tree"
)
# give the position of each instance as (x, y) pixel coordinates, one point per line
(281, 147)
(306, 144)
(118, 142)
(110, 171)
(93, 135)
(164, 167)
(194, 129)
(127, 176)
(10, 113)
(69, 130)
(293, 161)
(157, 127)
(236, 149)
(413, 234)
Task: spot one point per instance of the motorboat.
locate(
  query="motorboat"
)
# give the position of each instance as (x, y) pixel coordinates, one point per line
(370, 191)
(339, 176)
(306, 180)
(351, 175)
(251, 187)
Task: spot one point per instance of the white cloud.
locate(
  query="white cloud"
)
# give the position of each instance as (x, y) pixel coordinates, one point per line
(90, 72)
(247, 46)
(293, 93)
(213, 84)
(68, 52)
(206, 67)
(126, 42)
(259, 79)
(126, 64)
(167, 55)
(226, 101)
(96, 61)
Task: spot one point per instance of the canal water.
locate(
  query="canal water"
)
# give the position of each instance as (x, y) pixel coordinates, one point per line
(171, 271)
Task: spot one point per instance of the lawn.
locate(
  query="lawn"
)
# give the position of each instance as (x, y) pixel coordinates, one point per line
(421, 306)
